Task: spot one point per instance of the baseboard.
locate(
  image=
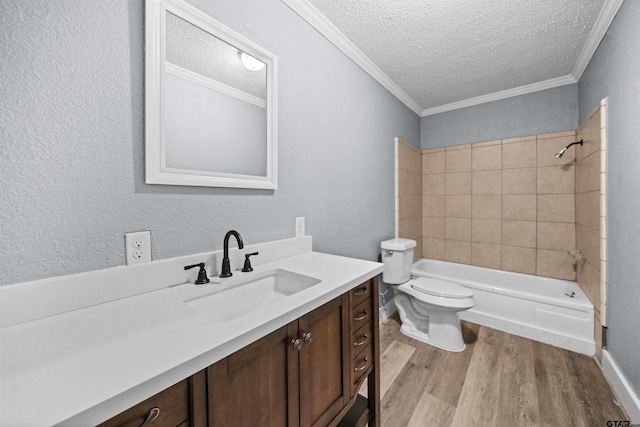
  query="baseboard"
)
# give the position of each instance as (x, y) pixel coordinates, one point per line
(628, 398)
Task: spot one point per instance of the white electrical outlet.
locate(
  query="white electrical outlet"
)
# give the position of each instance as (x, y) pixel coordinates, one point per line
(137, 247)
(300, 226)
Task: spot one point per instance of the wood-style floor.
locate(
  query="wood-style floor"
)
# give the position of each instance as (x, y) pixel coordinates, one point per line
(498, 380)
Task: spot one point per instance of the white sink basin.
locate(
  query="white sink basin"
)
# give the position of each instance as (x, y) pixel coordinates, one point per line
(241, 295)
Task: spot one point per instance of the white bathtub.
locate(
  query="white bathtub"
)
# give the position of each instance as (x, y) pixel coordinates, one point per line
(534, 307)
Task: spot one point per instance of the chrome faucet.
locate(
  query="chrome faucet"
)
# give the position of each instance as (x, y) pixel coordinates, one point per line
(226, 268)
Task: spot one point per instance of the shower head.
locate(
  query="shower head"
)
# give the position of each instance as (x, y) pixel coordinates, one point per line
(561, 152)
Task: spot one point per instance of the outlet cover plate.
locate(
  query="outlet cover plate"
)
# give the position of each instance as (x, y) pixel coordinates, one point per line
(300, 226)
(137, 247)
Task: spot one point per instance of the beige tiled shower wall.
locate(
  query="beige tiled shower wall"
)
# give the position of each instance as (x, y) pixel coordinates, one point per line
(409, 194)
(591, 213)
(506, 204)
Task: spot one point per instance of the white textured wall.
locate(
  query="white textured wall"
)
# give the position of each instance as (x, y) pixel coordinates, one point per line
(72, 142)
(613, 73)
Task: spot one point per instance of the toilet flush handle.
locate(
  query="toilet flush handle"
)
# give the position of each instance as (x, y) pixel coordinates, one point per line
(388, 252)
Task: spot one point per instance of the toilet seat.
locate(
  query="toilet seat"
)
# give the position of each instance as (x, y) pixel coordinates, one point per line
(438, 293)
(440, 288)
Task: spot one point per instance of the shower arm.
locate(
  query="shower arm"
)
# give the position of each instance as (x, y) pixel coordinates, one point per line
(561, 152)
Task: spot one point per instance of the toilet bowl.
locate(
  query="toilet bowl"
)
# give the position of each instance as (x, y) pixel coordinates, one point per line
(428, 307)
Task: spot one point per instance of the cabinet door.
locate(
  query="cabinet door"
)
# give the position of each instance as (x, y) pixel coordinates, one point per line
(251, 387)
(324, 363)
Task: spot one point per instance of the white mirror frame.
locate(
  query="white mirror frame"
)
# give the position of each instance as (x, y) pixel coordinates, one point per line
(156, 171)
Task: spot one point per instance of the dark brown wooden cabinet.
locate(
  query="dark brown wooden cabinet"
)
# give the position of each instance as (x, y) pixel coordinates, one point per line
(250, 387)
(364, 342)
(305, 374)
(296, 376)
(324, 363)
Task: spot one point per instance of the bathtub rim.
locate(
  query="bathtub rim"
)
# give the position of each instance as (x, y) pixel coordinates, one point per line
(581, 302)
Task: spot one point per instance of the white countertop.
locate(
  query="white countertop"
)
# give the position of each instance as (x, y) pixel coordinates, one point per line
(84, 366)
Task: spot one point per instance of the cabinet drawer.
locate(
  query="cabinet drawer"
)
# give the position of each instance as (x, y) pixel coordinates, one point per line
(361, 338)
(173, 404)
(361, 363)
(361, 314)
(361, 293)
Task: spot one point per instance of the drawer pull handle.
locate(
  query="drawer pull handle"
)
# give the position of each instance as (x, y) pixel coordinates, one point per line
(362, 317)
(358, 344)
(151, 415)
(363, 367)
(359, 292)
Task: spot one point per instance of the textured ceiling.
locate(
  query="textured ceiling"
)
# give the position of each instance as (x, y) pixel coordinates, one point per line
(441, 52)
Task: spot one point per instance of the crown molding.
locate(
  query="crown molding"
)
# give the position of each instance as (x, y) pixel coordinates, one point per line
(608, 12)
(503, 94)
(318, 21)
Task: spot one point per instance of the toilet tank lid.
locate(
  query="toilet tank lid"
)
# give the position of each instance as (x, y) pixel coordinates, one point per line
(398, 244)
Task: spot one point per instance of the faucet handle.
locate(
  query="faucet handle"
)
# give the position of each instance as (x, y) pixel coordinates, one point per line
(247, 263)
(202, 273)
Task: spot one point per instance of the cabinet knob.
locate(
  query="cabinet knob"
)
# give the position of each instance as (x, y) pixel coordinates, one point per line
(296, 344)
(307, 337)
(151, 415)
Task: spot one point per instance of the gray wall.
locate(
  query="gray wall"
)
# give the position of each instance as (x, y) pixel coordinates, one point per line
(72, 142)
(551, 110)
(614, 73)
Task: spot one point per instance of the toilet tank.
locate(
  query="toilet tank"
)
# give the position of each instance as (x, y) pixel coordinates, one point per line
(397, 256)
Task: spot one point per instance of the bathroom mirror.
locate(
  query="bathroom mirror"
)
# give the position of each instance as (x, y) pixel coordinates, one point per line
(210, 102)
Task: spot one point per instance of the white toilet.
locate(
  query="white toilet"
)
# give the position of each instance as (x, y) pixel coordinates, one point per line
(428, 307)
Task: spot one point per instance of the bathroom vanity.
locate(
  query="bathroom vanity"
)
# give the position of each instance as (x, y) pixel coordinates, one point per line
(283, 380)
(158, 355)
